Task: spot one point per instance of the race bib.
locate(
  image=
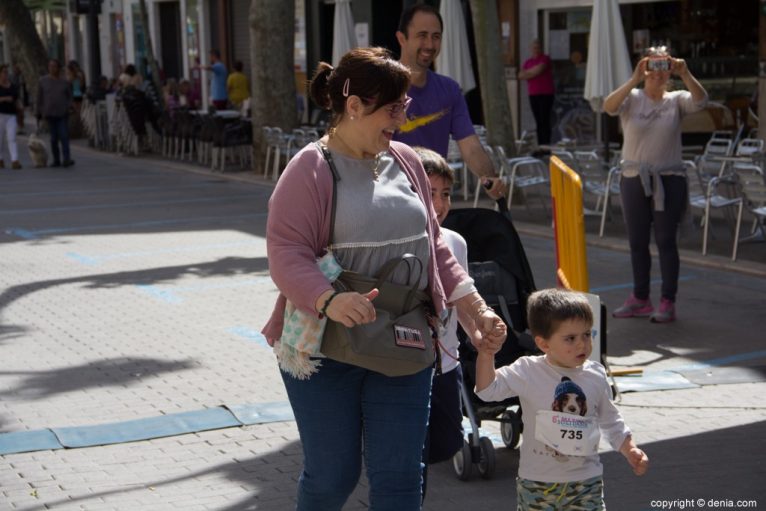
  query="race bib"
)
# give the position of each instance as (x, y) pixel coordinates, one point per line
(571, 435)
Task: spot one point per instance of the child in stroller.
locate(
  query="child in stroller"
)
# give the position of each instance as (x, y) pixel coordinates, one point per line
(501, 273)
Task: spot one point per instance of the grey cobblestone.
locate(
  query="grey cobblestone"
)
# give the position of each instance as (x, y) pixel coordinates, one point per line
(131, 322)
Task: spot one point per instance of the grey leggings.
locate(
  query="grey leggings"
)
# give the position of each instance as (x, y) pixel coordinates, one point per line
(638, 211)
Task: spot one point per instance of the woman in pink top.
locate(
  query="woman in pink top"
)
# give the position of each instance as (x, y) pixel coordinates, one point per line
(538, 72)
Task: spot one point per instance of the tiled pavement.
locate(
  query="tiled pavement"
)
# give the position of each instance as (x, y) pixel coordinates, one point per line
(134, 288)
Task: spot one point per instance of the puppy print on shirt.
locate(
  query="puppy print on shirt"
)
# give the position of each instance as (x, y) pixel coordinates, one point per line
(569, 398)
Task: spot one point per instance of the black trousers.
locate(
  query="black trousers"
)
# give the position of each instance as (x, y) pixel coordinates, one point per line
(640, 215)
(542, 105)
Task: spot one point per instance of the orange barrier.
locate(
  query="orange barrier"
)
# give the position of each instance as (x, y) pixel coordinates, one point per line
(568, 227)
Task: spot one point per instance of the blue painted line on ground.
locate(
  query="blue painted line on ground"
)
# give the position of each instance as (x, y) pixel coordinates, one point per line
(163, 202)
(97, 259)
(171, 295)
(21, 233)
(219, 417)
(82, 259)
(630, 285)
(36, 234)
(146, 429)
(261, 413)
(717, 362)
(160, 294)
(250, 334)
(28, 441)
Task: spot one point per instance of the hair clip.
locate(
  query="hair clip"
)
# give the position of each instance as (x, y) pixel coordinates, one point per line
(346, 86)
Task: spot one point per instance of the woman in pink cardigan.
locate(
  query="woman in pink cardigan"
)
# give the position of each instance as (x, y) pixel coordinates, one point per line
(345, 412)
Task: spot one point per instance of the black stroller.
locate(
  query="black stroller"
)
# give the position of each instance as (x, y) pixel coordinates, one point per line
(499, 267)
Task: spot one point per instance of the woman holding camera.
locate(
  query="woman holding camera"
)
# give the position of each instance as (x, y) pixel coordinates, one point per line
(653, 186)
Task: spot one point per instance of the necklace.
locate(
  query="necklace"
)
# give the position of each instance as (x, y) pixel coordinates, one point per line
(376, 161)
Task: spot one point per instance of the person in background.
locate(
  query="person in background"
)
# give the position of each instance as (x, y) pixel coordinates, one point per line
(9, 104)
(238, 86)
(54, 103)
(171, 96)
(653, 187)
(76, 77)
(17, 79)
(567, 404)
(130, 77)
(538, 73)
(186, 96)
(218, 94)
(445, 421)
(438, 107)
(383, 211)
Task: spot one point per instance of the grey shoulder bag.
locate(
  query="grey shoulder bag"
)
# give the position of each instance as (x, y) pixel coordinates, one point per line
(399, 342)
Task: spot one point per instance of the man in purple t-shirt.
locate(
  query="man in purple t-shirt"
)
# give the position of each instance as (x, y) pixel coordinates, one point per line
(438, 109)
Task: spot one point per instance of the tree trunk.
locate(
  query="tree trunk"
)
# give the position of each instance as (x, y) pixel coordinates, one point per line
(150, 54)
(272, 56)
(494, 93)
(27, 48)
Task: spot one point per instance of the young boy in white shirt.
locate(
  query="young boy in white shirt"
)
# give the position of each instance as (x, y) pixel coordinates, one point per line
(567, 405)
(445, 429)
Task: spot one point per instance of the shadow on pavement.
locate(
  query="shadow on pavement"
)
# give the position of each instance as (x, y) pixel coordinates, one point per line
(117, 372)
(227, 266)
(723, 464)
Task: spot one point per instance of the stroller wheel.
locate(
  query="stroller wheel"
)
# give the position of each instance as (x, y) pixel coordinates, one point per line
(510, 429)
(486, 464)
(462, 464)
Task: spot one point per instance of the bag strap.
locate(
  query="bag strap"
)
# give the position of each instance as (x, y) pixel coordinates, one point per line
(335, 178)
(387, 269)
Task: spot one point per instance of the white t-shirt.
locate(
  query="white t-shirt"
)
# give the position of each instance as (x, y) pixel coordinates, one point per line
(448, 340)
(652, 129)
(536, 382)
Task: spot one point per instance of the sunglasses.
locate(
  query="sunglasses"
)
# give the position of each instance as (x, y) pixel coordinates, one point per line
(393, 109)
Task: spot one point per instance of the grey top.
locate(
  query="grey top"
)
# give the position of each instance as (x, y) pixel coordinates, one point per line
(652, 131)
(54, 96)
(377, 220)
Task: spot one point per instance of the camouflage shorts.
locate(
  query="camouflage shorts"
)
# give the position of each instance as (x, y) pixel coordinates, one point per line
(585, 495)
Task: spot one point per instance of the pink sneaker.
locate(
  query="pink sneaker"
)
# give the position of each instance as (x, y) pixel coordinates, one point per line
(634, 308)
(666, 314)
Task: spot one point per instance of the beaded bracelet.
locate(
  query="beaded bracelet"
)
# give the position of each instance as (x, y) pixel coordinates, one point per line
(323, 311)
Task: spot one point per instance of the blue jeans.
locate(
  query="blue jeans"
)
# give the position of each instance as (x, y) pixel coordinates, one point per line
(59, 127)
(340, 407)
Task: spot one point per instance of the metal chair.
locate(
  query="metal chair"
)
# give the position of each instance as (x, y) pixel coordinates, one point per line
(705, 163)
(611, 188)
(706, 196)
(522, 172)
(751, 183)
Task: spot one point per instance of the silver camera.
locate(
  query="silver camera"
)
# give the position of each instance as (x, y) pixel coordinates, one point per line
(658, 65)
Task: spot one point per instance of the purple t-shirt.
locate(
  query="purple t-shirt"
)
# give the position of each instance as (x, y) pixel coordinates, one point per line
(437, 110)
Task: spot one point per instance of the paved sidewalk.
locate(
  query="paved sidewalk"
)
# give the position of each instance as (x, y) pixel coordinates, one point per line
(133, 288)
